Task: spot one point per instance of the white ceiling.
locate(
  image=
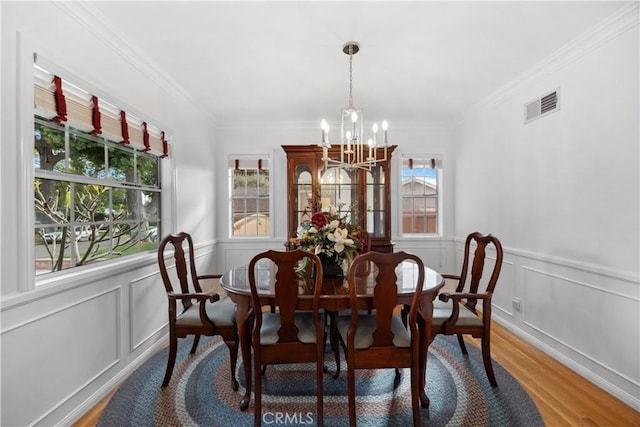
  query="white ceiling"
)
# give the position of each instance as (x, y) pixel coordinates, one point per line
(420, 62)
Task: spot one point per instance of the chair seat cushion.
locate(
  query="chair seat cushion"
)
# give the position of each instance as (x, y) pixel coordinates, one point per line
(221, 313)
(304, 323)
(366, 327)
(442, 311)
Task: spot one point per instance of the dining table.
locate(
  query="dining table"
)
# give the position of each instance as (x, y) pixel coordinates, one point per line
(334, 298)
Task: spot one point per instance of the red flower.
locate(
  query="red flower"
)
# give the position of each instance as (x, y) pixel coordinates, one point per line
(318, 220)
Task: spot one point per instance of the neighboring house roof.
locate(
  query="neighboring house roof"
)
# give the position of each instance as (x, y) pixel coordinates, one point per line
(429, 182)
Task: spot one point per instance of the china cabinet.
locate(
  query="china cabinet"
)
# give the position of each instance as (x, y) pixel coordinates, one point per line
(360, 195)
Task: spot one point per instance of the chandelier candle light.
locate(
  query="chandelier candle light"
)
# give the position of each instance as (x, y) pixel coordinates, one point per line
(354, 152)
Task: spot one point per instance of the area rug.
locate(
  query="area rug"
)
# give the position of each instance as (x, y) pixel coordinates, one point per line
(200, 393)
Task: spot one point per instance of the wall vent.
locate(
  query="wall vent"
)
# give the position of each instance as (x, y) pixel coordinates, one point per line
(544, 105)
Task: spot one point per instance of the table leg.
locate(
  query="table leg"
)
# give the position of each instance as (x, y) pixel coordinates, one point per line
(424, 323)
(335, 340)
(244, 333)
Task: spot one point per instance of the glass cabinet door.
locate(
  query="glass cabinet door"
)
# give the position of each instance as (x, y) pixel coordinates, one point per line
(361, 196)
(375, 209)
(339, 190)
(303, 193)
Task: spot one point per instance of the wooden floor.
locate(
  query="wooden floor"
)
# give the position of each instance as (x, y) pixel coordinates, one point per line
(563, 397)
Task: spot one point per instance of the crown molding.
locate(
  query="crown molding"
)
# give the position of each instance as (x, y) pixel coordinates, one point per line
(616, 24)
(307, 125)
(95, 22)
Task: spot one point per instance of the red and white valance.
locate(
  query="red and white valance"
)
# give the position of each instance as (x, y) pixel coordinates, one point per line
(61, 101)
(249, 163)
(422, 163)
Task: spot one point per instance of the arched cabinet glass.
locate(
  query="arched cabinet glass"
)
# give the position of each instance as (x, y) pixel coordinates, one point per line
(361, 195)
(339, 189)
(376, 196)
(302, 191)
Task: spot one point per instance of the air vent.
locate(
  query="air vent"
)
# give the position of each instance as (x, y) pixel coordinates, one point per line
(544, 105)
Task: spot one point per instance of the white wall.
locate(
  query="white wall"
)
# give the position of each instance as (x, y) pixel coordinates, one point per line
(562, 194)
(68, 342)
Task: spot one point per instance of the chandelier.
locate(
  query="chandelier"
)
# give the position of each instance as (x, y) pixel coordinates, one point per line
(355, 153)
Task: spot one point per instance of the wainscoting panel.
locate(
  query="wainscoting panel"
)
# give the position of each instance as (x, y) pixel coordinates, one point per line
(431, 255)
(435, 253)
(585, 317)
(48, 383)
(147, 308)
(233, 254)
(505, 289)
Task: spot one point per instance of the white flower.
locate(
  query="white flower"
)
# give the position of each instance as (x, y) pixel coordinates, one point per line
(334, 224)
(340, 238)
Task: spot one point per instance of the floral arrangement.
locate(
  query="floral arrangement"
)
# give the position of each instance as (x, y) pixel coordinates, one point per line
(329, 236)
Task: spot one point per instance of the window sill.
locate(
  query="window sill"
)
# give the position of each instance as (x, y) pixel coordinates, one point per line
(76, 277)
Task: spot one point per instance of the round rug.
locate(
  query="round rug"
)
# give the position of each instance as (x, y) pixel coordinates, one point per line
(200, 393)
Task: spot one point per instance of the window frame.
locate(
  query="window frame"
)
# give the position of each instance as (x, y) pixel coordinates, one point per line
(28, 54)
(76, 180)
(249, 158)
(439, 195)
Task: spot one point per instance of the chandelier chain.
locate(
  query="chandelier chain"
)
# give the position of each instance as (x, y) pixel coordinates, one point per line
(351, 76)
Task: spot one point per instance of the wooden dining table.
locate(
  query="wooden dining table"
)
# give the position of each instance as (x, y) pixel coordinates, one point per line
(334, 298)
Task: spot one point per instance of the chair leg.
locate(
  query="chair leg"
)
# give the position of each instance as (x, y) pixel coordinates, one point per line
(335, 342)
(257, 384)
(463, 347)
(196, 340)
(351, 391)
(171, 360)
(320, 390)
(233, 356)
(486, 358)
(415, 395)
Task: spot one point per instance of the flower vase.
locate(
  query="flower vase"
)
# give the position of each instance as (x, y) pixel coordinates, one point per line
(331, 267)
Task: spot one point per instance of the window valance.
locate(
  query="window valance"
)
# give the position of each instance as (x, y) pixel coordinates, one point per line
(248, 163)
(61, 101)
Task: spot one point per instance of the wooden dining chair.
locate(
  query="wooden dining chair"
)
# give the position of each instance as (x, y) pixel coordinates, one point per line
(455, 313)
(292, 333)
(202, 313)
(380, 340)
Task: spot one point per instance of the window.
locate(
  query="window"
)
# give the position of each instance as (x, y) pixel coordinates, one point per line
(250, 197)
(420, 194)
(96, 178)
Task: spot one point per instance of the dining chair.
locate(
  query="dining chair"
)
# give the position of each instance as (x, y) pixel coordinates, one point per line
(202, 313)
(292, 333)
(455, 313)
(380, 340)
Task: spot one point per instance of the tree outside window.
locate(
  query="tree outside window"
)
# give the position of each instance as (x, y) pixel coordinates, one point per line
(93, 199)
